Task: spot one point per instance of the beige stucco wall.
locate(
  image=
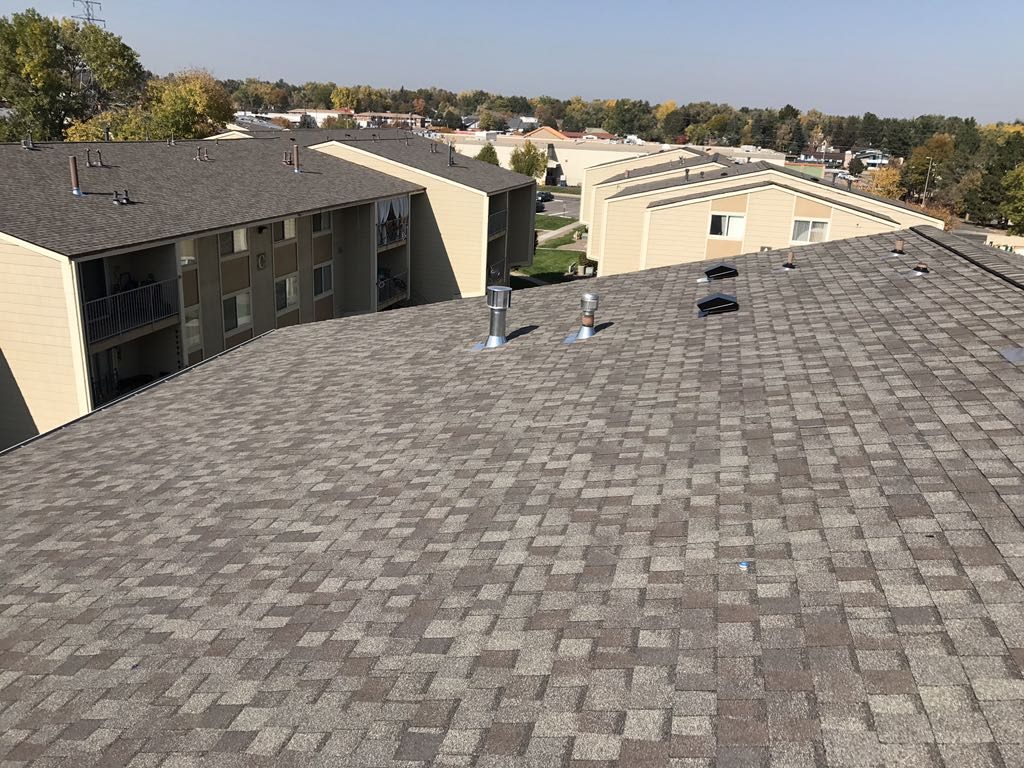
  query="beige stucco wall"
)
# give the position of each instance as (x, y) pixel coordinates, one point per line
(449, 231)
(43, 381)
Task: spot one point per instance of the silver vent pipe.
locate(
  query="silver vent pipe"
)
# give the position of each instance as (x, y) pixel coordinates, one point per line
(76, 188)
(588, 304)
(499, 299)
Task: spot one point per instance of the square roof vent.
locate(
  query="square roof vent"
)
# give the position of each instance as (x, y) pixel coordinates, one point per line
(721, 272)
(717, 304)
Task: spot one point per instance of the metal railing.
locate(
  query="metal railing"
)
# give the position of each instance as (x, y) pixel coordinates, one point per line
(128, 310)
(392, 288)
(497, 223)
(392, 231)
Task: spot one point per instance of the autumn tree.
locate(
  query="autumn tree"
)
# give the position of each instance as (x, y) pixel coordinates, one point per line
(856, 166)
(1013, 202)
(528, 160)
(488, 154)
(885, 182)
(929, 161)
(55, 71)
(337, 122)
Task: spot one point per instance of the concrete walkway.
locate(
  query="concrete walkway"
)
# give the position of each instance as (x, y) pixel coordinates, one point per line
(528, 279)
(543, 237)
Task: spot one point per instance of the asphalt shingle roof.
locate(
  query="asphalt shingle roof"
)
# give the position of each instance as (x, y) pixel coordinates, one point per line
(765, 184)
(689, 162)
(357, 543)
(412, 150)
(243, 182)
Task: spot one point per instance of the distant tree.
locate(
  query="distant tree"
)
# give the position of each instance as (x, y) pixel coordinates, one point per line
(492, 121)
(789, 112)
(337, 122)
(885, 182)
(935, 155)
(630, 117)
(187, 105)
(856, 166)
(283, 122)
(313, 95)
(488, 154)
(55, 71)
(528, 160)
(1013, 201)
(307, 121)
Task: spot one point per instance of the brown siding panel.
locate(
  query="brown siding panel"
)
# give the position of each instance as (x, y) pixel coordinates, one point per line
(234, 274)
(323, 309)
(285, 259)
(190, 287)
(238, 338)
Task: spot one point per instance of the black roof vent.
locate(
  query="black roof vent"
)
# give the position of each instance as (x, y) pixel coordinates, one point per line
(717, 304)
(721, 272)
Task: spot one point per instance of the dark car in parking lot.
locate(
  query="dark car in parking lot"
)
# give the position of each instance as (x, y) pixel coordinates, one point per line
(544, 196)
(540, 205)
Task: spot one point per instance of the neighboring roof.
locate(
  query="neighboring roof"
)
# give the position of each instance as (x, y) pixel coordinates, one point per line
(547, 130)
(672, 165)
(742, 169)
(414, 151)
(760, 185)
(176, 196)
(642, 154)
(357, 542)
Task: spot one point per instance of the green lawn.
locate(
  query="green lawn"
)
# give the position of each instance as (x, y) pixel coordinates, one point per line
(550, 265)
(551, 222)
(560, 190)
(559, 241)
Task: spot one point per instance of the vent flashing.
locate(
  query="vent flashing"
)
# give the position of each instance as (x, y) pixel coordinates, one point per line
(1013, 354)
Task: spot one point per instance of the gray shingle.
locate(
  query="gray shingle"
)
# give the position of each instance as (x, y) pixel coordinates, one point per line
(347, 541)
(243, 182)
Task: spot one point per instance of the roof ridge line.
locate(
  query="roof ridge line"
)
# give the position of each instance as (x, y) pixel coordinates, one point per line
(946, 246)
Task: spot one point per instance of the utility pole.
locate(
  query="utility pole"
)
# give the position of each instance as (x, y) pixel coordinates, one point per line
(89, 10)
(927, 178)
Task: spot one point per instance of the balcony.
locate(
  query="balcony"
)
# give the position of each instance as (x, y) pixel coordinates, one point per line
(130, 310)
(497, 223)
(392, 289)
(392, 232)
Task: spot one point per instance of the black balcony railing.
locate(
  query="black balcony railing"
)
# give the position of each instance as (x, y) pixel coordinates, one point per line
(128, 310)
(392, 288)
(497, 223)
(392, 231)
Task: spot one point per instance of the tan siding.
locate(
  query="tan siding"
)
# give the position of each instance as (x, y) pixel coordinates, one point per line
(42, 378)
(677, 235)
(848, 224)
(449, 230)
(733, 204)
(769, 219)
(811, 209)
(723, 249)
(596, 175)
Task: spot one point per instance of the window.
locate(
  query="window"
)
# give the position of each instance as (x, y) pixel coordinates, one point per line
(809, 231)
(284, 230)
(237, 311)
(187, 256)
(322, 221)
(323, 280)
(727, 226)
(286, 292)
(193, 331)
(232, 242)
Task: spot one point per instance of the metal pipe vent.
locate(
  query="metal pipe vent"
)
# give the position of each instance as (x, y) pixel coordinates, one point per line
(499, 300)
(588, 308)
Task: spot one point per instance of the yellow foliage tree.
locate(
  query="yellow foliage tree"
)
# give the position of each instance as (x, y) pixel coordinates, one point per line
(885, 182)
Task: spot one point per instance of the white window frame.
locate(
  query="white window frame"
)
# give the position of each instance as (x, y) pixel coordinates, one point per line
(189, 348)
(284, 224)
(728, 226)
(325, 218)
(298, 293)
(810, 229)
(330, 291)
(234, 242)
(241, 326)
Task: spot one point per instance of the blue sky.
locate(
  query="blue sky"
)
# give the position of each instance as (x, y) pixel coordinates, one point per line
(898, 58)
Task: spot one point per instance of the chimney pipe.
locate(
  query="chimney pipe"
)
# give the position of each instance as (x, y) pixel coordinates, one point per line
(99, 159)
(295, 158)
(76, 188)
(88, 158)
(499, 299)
(898, 248)
(588, 303)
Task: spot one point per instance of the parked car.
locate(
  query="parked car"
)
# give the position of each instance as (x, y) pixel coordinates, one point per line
(544, 196)
(540, 205)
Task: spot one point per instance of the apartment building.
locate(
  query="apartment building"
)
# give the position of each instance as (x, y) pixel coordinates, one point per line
(715, 210)
(123, 263)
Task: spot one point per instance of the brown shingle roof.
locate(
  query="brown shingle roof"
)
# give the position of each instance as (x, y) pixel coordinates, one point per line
(348, 543)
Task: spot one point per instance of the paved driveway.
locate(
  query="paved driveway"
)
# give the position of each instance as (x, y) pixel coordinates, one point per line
(564, 205)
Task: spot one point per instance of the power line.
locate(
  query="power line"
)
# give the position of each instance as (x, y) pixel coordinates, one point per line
(89, 10)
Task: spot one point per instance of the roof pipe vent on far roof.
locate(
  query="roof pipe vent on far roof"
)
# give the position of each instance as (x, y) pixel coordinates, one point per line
(76, 187)
(898, 248)
(686, 174)
(295, 158)
(790, 261)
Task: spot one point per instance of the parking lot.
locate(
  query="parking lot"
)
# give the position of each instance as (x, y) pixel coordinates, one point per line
(564, 205)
